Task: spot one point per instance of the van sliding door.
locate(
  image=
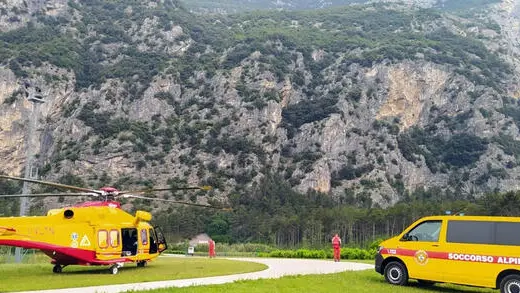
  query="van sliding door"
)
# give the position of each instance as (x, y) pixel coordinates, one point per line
(480, 250)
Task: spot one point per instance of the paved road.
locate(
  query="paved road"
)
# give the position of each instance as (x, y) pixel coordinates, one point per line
(277, 268)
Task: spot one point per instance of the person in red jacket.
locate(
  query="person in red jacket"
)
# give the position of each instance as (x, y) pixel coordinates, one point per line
(336, 245)
(211, 248)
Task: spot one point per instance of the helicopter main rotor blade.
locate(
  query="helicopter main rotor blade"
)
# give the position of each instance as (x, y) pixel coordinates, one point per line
(174, 201)
(166, 189)
(48, 194)
(59, 185)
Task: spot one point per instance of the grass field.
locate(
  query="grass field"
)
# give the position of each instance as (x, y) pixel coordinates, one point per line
(35, 276)
(363, 282)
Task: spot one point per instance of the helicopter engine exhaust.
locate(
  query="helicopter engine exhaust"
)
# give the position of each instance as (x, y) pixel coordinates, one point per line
(142, 216)
(68, 214)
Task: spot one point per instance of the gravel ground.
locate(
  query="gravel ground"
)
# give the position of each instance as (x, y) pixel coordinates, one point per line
(277, 268)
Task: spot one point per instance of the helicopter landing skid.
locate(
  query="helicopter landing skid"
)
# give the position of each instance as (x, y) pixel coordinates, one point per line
(58, 268)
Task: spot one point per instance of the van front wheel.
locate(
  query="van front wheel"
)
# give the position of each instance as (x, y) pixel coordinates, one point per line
(396, 273)
(510, 284)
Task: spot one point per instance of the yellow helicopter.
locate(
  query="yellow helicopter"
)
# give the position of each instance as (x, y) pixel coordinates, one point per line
(92, 233)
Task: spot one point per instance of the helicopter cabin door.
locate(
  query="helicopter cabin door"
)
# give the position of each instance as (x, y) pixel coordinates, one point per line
(156, 240)
(129, 236)
(160, 239)
(108, 244)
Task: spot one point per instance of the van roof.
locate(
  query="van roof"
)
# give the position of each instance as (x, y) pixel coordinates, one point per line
(472, 218)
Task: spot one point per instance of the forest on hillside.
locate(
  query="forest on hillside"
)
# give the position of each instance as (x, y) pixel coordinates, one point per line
(273, 214)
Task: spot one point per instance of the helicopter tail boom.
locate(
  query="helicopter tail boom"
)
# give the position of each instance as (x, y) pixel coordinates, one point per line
(62, 254)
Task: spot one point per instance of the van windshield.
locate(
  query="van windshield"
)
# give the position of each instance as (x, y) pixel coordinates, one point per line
(428, 231)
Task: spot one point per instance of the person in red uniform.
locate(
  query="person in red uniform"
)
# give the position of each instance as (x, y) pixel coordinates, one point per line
(336, 245)
(211, 248)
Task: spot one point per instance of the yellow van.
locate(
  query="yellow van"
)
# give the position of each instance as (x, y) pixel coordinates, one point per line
(466, 250)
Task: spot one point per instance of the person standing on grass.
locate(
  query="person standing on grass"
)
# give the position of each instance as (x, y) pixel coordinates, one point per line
(211, 248)
(336, 245)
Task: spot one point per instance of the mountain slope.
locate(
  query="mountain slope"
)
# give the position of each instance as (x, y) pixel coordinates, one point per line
(365, 103)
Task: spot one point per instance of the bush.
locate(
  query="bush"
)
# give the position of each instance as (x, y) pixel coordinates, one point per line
(263, 250)
(346, 253)
(375, 244)
(224, 248)
(308, 111)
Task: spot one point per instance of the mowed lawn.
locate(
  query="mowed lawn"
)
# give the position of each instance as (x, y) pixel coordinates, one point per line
(364, 281)
(22, 277)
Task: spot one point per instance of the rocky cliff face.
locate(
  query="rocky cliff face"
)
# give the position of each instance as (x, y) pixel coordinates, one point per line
(16, 13)
(411, 91)
(157, 110)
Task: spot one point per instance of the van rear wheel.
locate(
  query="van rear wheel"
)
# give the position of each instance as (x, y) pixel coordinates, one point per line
(510, 284)
(396, 273)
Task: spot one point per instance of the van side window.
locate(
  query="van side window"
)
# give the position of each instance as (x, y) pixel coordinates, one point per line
(428, 231)
(507, 233)
(475, 232)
